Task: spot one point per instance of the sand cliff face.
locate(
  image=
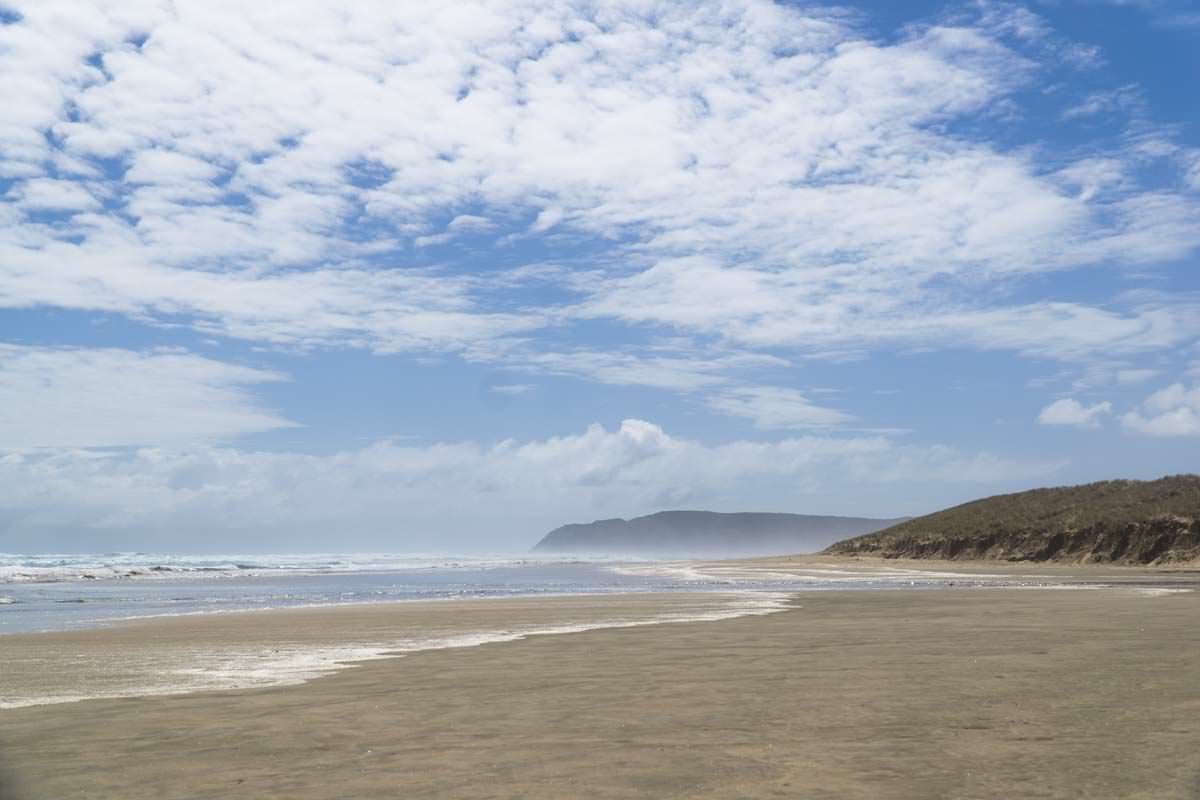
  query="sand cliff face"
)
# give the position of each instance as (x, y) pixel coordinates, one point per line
(1152, 542)
(1120, 522)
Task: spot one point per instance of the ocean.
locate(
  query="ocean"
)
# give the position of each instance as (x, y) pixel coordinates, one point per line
(69, 591)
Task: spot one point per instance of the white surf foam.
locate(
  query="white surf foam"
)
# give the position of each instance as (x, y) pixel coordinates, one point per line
(21, 568)
(1159, 591)
(262, 667)
(699, 572)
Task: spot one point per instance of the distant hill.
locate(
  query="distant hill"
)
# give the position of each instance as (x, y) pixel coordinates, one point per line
(1122, 522)
(707, 534)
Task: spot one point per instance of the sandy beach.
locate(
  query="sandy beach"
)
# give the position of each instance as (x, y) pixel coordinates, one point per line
(962, 692)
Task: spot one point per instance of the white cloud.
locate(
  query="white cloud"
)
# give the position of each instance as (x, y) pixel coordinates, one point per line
(458, 494)
(165, 167)
(75, 397)
(1173, 411)
(753, 171)
(471, 222)
(388, 311)
(683, 369)
(1136, 375)
(774, 408)
(1192, 175)
(1163, 13)
(44, 194)
(1069, 411)
(757, 308)
(1092, 176)
(512, 388)
(1122, 99)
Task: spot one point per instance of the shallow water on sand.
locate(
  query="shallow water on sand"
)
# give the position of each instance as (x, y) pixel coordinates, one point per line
(45, 593)
(344, 609)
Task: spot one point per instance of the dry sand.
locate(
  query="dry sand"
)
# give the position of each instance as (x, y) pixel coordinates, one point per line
(952, 693)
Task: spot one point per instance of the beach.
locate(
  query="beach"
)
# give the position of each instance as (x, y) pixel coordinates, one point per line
(956, 692)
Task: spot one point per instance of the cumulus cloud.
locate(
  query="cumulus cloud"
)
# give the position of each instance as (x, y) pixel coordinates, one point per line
(760, 173)
(86, 397)
(458, 494)
(1069, 411)
(45, 194)
(1170, 412)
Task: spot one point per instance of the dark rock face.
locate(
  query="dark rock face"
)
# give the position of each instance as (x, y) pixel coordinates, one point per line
(706, 534)
(1119, 522)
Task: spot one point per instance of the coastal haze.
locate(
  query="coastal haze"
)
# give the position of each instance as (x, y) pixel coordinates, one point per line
(706, 534)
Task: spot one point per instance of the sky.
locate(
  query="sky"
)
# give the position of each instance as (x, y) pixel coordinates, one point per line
(439, 278)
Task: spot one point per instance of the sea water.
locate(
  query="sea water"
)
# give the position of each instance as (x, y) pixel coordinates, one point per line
(58, 592)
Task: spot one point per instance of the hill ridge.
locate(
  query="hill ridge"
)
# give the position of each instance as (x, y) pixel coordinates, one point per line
(687, 532)
(1115, 521)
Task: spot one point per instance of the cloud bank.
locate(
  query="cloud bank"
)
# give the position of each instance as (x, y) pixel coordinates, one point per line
(449, 496)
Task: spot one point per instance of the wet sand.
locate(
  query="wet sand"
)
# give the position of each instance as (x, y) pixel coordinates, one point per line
(914, 693)
(238, 650)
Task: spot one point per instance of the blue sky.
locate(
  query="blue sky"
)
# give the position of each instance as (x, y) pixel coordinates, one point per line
(402, 279)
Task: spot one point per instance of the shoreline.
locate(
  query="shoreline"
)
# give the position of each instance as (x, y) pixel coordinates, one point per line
(1066, 568)
(864, 568)
(158, 655)
(953, 692)
(152, 598)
